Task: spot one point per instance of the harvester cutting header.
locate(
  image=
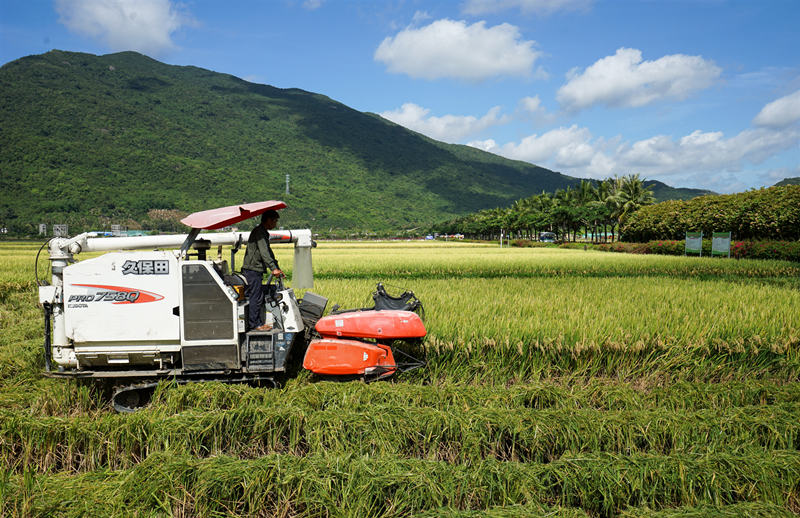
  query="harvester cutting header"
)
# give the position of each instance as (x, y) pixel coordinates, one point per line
(157, 307)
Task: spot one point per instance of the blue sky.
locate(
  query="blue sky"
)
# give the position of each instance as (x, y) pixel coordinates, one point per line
(700, 93)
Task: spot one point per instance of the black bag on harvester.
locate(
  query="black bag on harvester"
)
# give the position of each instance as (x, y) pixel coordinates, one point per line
(407, 301)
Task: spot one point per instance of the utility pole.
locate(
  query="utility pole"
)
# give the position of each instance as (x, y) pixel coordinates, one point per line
(287, 184)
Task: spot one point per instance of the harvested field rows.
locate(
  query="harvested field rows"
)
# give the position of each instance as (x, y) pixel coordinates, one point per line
(355, 485)
(559, 382)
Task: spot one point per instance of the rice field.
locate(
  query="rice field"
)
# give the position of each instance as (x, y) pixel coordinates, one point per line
(559, 383)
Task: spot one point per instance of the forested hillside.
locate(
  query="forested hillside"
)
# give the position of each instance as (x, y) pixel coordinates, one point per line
(93, 140)
(663, 192)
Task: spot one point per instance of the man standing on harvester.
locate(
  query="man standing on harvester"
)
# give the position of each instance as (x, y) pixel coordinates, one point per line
(259, 259)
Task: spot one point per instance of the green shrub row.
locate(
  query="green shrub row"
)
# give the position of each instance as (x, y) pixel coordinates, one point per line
(771, 214)
(780, 250)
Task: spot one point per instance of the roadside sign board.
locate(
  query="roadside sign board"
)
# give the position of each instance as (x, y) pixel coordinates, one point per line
(694, 243)
(721, 243)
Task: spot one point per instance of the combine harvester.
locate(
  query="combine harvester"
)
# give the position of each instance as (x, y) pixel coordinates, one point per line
(132, 318)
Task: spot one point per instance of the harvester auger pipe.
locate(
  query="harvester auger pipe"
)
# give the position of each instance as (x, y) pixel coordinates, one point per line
(66, 248)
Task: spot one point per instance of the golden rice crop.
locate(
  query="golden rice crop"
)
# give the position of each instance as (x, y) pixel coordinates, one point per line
(612, 312)
(414, 260)
(558, 381)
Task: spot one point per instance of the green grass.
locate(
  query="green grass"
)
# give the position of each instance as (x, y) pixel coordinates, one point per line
(559, 383)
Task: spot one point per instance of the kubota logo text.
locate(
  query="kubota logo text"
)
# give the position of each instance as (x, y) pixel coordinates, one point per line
(115, 295)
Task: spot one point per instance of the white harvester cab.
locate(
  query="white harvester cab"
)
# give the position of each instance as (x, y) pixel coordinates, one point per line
(158, 307)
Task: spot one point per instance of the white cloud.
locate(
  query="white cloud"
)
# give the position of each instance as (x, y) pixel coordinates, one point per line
(570, 148)
(781, 112)
(625, 80)
(484, 145)
(420, 16)
(448, 48)
(142, 25)
(701, 158)
(706, 151)
(311, 5)
(774, 176)
(531, 109)
(538, 7)
(448, 128)
(531, 105)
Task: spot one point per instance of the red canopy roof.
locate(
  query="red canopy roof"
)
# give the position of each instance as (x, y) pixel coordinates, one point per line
(224, 216)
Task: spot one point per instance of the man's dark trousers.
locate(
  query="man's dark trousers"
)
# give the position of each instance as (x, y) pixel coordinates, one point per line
(255, 294)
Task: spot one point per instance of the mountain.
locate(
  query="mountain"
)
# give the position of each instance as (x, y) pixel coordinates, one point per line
(121, 138)
(95, 140)
(663, 192)
(788, 181)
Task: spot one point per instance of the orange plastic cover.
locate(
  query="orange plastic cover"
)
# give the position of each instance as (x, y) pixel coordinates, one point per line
(347, 357)
(389, 324)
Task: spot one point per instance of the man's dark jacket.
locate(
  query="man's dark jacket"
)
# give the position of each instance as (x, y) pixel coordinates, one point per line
(259, 256)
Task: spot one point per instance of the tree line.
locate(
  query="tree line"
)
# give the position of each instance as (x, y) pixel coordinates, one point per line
(771, 213)
(594, 208)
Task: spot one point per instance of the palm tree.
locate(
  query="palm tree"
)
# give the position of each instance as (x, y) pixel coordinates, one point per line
(608, 195)
(520, 216)
(627, 195)
(632, 196)
(610, 202)
(563, 211)
(585, 195)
